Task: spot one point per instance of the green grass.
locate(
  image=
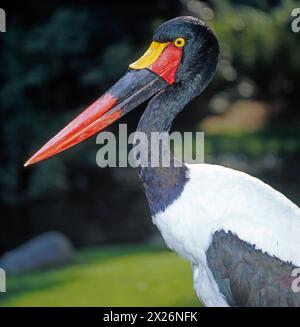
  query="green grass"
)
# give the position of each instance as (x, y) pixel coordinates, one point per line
(108, 276)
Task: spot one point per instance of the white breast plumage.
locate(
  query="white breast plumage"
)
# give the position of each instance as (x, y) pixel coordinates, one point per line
(217, 198)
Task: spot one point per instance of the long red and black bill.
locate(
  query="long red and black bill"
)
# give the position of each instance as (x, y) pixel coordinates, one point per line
(130, 91)
(135, 87)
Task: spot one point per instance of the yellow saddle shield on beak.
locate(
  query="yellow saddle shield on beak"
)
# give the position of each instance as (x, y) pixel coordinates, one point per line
(150, 56)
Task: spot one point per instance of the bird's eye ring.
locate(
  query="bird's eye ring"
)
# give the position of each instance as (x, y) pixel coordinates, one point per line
(179, 42)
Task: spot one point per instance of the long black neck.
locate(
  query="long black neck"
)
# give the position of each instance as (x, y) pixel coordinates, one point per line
(163, 185)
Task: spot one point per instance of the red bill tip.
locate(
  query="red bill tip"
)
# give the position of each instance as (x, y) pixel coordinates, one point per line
(83, 126)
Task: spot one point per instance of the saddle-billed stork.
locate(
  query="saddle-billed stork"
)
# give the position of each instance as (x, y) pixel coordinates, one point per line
(241, 236)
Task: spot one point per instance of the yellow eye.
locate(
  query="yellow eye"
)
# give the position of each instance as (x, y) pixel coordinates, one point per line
(179, 42)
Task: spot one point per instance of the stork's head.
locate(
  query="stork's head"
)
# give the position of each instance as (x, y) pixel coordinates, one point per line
(196, 43)
(183, 50)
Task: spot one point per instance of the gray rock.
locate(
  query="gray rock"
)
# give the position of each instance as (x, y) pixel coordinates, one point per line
(46, 250)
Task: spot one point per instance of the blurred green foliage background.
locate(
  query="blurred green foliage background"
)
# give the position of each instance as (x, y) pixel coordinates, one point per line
(56, 57)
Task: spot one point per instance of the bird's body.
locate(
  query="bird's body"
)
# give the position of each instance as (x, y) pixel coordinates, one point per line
(241, 236)
(216, 199)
